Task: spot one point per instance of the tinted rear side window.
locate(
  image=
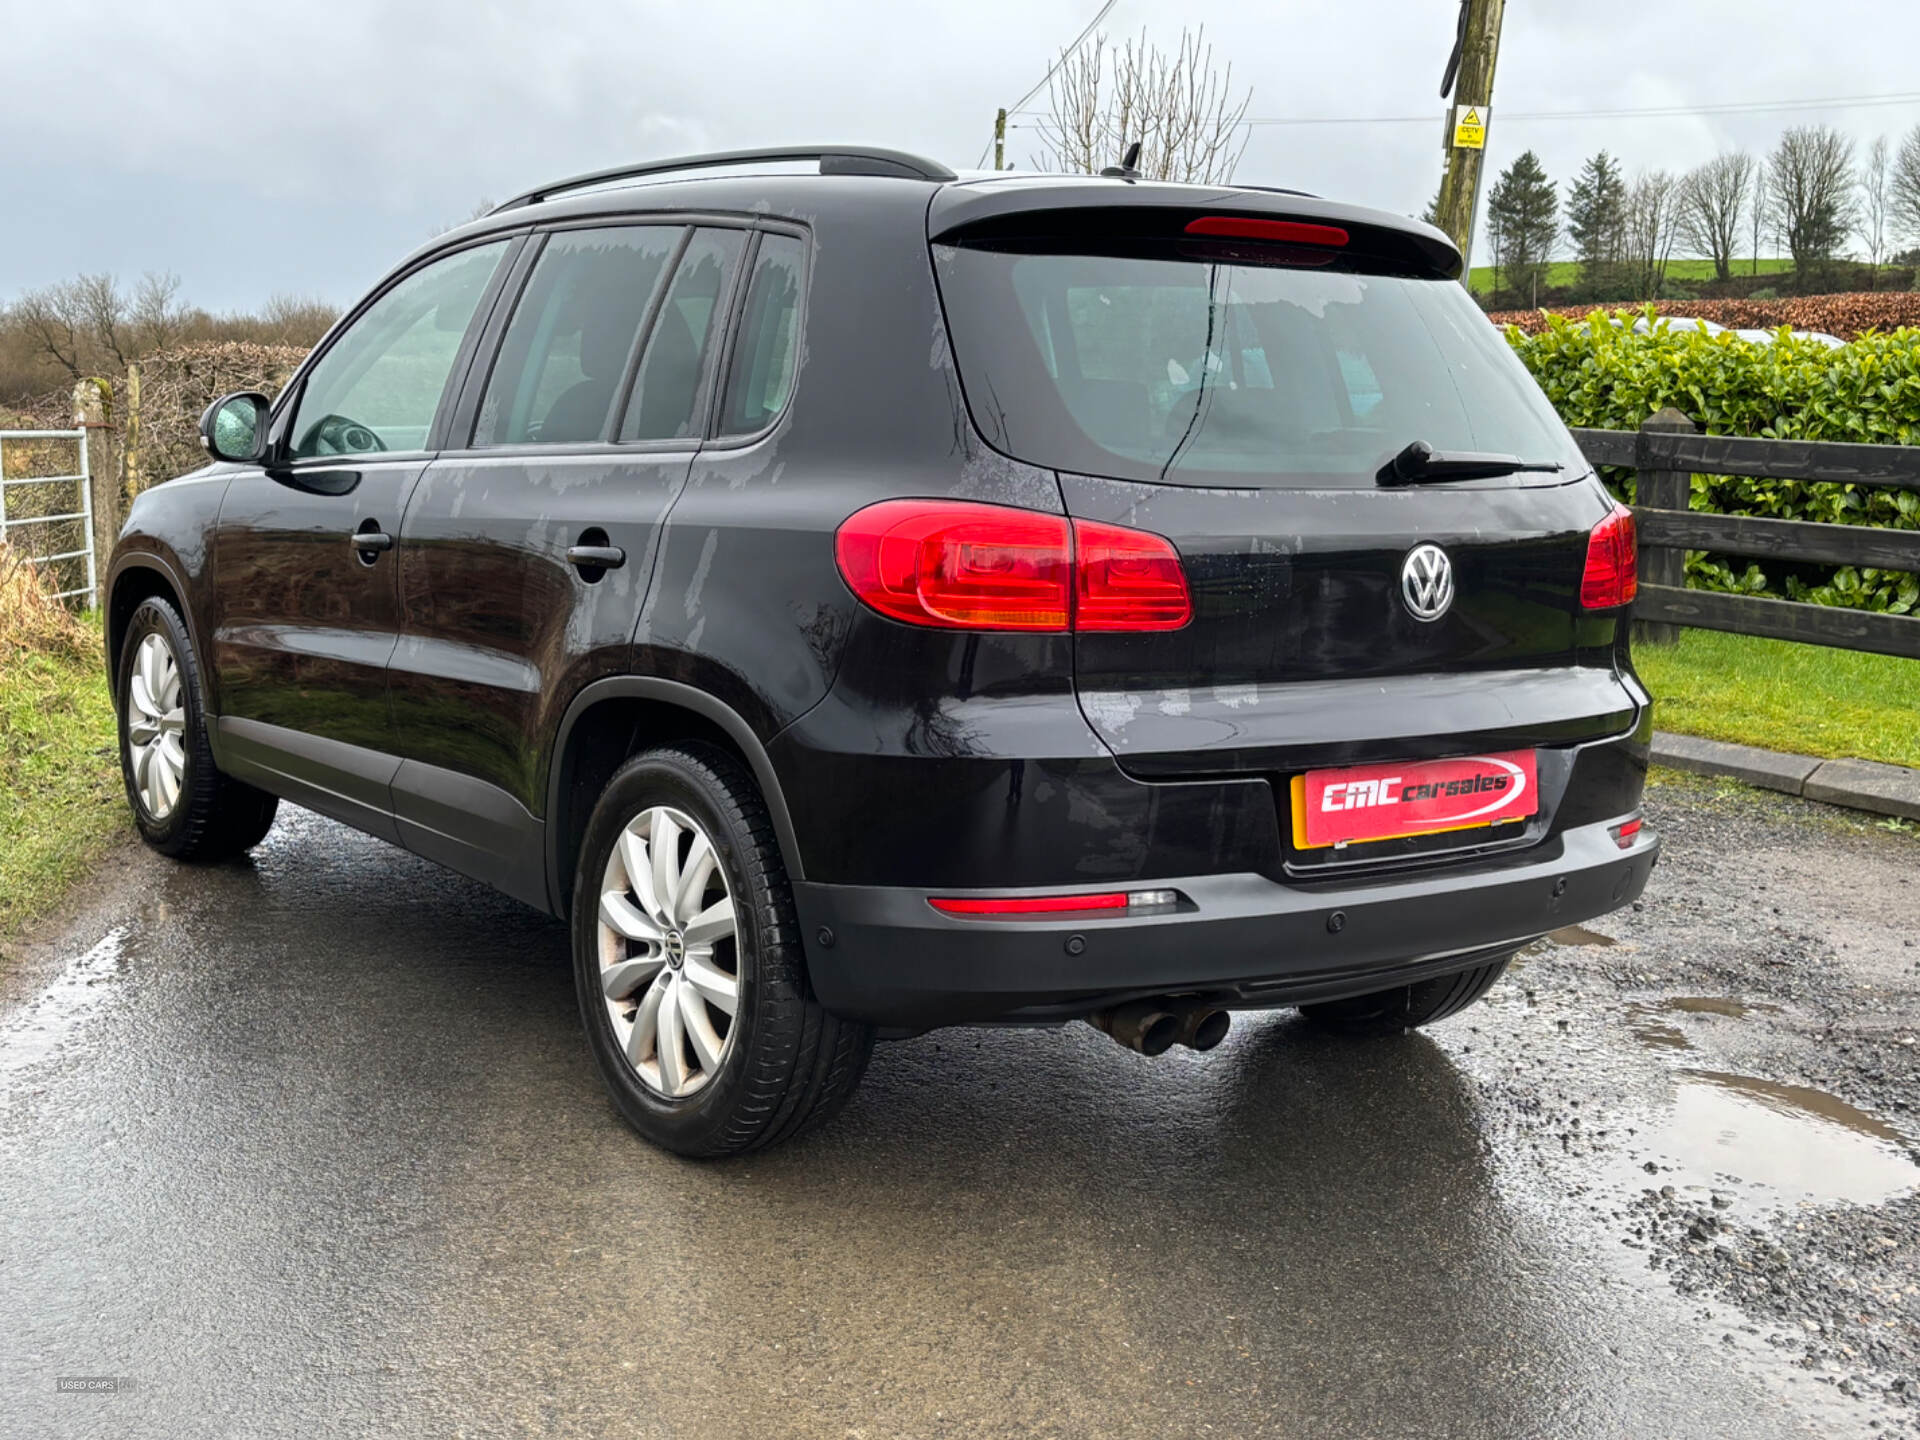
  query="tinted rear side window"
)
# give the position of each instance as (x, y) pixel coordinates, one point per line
(765, 355)
(1226, 374)
(667, 393)
(566, 349)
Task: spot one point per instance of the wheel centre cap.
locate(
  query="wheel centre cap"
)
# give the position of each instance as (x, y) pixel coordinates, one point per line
(676, 948)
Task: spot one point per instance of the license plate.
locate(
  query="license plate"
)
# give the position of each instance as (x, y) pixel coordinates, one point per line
(1421, 797)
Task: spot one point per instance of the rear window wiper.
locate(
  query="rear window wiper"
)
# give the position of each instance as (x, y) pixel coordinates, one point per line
(1421, 464)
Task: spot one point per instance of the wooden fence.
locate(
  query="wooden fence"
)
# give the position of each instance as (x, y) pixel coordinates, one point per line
(1667, 451)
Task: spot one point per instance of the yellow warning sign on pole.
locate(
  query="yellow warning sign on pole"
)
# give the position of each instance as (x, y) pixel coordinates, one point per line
(1470, 126)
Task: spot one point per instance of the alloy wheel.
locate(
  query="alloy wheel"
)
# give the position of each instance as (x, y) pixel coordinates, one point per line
(669, 953)
(156, 726)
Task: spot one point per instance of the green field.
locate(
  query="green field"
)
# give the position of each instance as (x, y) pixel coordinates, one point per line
(1567, 272)
(1805, 699)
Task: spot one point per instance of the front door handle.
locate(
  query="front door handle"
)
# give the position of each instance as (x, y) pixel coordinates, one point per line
(369, 540)
(596, 557)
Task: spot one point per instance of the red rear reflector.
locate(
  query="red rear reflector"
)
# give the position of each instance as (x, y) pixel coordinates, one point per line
(1291, 232)
(1032, 904)
(962, 565)
(1623, 834)
(1127, 580)
(1612, 576)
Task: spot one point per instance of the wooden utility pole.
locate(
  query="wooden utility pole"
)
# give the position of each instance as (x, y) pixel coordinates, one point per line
(1473, 100)
(1000, 139)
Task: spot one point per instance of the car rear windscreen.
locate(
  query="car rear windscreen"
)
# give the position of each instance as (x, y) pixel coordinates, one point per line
(1214, 373)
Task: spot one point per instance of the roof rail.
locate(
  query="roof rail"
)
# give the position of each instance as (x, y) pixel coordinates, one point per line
(834, 160)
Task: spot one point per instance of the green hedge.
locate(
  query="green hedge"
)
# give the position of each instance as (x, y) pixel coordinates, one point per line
(1605, 377)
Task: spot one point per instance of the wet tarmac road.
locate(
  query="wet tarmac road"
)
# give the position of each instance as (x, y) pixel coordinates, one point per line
(312, 1145)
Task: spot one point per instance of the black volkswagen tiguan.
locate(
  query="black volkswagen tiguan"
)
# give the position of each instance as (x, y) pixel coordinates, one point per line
(861, 599)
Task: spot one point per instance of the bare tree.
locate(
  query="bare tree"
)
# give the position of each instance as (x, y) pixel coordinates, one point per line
(1711, 203)
(1180, 109)
(156, 316)
(53, 325)
(1651, 227)
(1873, 208)
(1812, 190)
(1759, 210)
(1903, 185)
(296, 319)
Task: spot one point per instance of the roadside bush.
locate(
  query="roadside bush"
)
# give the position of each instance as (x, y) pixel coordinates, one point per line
(1606, 377)
(1847, 315)
(32, 620)
(1765, 292)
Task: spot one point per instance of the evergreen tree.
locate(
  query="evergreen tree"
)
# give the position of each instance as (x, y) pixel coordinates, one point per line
(1596, 220)
(1523, 215)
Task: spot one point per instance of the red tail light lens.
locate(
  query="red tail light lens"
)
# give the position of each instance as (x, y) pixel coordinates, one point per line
(1127, 580)
(1290, 232)
(1613, 565)
(960, 565)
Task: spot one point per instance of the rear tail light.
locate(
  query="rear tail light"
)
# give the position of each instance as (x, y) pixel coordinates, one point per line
(1016, 905)
(1127, 580)
(961, 565)
(1612, 577)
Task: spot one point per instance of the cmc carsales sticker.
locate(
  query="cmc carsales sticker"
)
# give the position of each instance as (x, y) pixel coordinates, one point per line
(1386, 802)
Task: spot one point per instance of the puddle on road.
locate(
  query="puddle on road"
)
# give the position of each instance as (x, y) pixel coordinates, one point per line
(57, 1011)
(1654, 1032)
(1803, 1143)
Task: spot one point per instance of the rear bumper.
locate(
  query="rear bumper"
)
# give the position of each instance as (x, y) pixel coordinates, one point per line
(895, 961)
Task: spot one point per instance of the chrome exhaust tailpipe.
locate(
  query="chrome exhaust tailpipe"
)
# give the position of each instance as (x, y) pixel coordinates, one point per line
(1203, 1027)
(1143, 1025)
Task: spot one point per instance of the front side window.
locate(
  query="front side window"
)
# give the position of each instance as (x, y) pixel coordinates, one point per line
(566, 349)
(767, 351)
(666, 395)
(379, 385)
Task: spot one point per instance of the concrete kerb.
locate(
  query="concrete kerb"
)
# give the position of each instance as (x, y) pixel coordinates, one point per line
(1857, 784)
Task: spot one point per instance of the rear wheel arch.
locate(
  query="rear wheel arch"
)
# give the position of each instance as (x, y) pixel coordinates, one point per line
(613, 720)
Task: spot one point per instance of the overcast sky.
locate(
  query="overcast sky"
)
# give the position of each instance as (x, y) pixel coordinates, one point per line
(305, 147)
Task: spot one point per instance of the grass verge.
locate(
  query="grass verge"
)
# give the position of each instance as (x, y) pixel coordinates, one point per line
(1805, 699)
(61, 802)
(1561, 273)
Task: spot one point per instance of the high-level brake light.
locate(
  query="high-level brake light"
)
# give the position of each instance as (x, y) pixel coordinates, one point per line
(963, 565)
(1289, 232)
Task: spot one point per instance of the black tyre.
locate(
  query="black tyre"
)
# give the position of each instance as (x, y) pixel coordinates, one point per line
(182, 805)
(1406, 1007)
(688, 960)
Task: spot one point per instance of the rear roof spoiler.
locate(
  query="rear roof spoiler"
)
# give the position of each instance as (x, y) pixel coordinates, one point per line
(1105, 214)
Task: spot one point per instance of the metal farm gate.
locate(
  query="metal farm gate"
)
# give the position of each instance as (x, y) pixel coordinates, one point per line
(49, 525)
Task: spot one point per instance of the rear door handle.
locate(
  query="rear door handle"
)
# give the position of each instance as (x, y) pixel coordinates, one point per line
(366, 540)
(596, 557)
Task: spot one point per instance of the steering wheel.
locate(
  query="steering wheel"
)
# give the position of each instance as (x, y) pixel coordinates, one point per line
(337, 435)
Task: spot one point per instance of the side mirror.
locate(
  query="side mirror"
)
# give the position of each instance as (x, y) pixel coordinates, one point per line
(234, 427)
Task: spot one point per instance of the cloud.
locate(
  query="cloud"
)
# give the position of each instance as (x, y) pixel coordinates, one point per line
(307, 147)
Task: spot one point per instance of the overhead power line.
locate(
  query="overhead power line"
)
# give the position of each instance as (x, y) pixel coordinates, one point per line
(1053, 70)
(1741, 107)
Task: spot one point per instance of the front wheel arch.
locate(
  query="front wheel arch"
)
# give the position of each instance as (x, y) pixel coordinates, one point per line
(614, 719)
